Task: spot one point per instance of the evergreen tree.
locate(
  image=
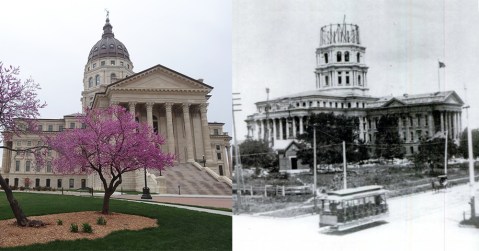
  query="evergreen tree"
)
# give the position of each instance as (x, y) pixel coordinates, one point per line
(388, 142)
(331, 131)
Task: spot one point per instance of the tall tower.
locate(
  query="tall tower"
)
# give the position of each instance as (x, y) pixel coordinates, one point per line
(340, 65)
(108, 62)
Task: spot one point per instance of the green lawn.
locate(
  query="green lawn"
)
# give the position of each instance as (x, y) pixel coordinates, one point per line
(179, 229)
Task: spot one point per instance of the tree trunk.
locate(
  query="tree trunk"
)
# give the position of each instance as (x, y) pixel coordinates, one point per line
(106, 202)
(16, 209)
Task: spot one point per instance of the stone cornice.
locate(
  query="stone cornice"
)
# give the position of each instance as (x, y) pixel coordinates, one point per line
(163, 90)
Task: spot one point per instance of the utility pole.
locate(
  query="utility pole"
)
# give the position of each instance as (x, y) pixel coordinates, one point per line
(471, 166)
(345, 185)
(445, 158)
(314, 168)
(237, 154)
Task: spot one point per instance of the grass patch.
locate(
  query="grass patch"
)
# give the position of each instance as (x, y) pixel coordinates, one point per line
(179, 229)
(186, 205)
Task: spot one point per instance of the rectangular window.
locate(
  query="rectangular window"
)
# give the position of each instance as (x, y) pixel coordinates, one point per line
(17, 166)
(102, 63)
(72, 125)
(60, 128)
(121, 63)
(71, 183)
(27, 166)
(50, 128)
(48, 183)
(15, 182)
(37, 168)
(113, 62)
(218, 155)
(19, 143)
(59, 183)
(40, 128)
(37, 182)
(218, 147)
(215, 132)
(94, 65)
(29, 143)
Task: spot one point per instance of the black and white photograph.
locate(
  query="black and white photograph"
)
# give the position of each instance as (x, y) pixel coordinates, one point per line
(355, 125)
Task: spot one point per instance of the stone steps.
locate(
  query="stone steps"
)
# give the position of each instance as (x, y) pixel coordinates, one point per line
(192, 181)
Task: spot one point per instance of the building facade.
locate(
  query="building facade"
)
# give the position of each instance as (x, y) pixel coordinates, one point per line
(174, 104)
(342, 88)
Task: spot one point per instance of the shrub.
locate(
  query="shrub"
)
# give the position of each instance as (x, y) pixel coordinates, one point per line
(59, 222)
(74, 228)
(101, 221)
(86, 228)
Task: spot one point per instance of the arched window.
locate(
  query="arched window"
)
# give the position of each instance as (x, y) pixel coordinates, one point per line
(326, 58)
(97, 79)
(338, 56)
(113, 77)
(90, 82)
(346, 56)
(359, 80)
(155, 124)
(357, 57)
(326, 80)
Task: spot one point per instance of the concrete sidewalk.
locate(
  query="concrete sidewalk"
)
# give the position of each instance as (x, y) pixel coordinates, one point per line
(192, 200)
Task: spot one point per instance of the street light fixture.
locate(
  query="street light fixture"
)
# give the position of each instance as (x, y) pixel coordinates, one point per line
(204, 161)
(146, 190)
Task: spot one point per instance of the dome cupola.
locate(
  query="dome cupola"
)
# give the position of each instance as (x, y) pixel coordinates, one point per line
(108, 45)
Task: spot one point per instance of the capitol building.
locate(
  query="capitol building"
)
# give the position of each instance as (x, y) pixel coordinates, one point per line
(174, 104)
(342, 88)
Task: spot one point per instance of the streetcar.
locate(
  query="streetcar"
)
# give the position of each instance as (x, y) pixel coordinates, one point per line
(353, 207)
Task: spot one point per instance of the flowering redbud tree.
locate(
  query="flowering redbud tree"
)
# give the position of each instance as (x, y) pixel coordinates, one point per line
(18, 102)
(110, 144)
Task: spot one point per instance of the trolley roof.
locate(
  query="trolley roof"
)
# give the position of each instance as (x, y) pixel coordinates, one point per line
(355, 193)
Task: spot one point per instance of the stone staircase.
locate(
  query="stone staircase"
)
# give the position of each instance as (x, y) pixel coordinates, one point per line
(192, 181)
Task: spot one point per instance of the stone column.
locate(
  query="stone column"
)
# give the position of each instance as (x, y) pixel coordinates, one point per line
(149, 114)
(131, 108)
(287, 129)
(449, 124)
(169, 128)
(408, 125)
(301, 130)
(431, 124)
(281, 128)
(262, 134)
(230, 163)
(189, 139)
(274, 129)
(400, 126)
(442, 122)
(456, 124)
(294, 127)
(206, 134)
(6, 159)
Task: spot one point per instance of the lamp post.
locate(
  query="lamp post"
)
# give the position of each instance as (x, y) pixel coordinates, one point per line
(314, 168)
(204, 161)
(471, 166)
(146, 191)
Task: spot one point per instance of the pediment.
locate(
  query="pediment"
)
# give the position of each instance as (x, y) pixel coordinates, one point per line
(394, 103)
(453, 99)
(159, 78)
